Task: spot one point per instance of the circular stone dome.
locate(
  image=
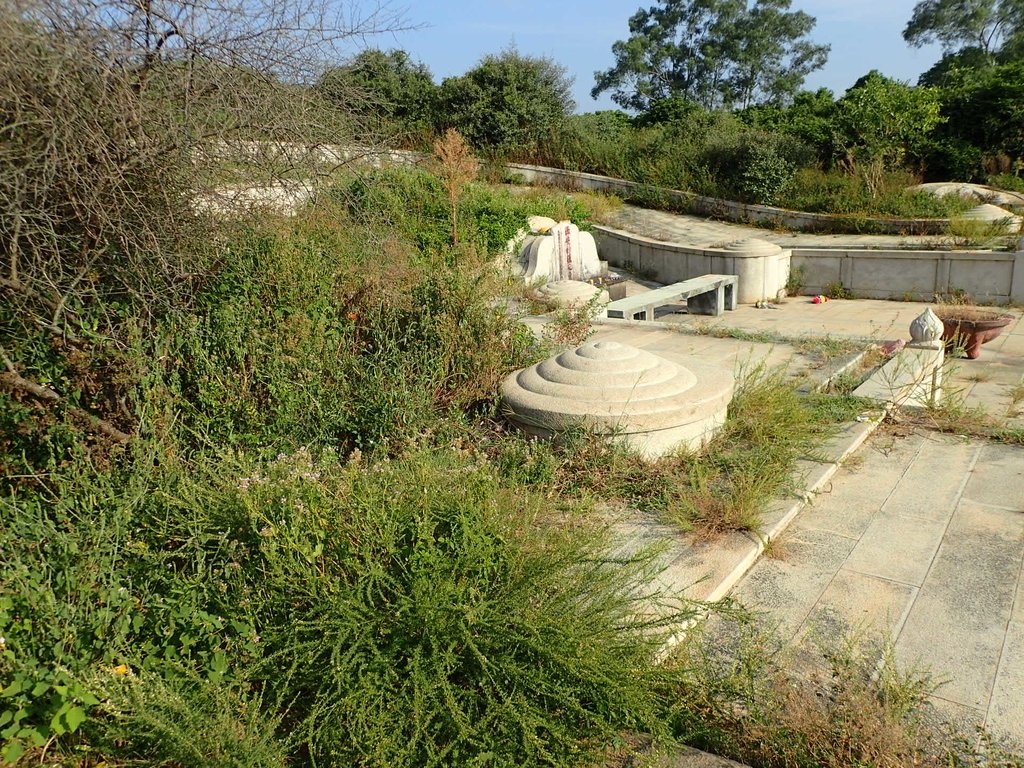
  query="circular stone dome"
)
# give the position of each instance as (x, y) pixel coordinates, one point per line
(990, 213)
(572, 293)
(753, 246)
(621, 392)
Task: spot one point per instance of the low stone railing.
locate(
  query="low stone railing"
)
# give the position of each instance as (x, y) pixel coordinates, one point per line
(995, 277)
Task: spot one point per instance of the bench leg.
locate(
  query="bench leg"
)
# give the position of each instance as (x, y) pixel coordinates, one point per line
(710, 303)
(730, 296)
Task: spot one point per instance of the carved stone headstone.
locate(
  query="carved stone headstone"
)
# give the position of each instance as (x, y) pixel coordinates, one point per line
(562, 252)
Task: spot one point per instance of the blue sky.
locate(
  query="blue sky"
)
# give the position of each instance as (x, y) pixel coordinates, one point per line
(455, 34)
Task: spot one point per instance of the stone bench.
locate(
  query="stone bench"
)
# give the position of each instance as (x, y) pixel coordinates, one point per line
(705, 295)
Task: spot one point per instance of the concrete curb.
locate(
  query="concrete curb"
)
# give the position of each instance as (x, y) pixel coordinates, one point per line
(781, 514)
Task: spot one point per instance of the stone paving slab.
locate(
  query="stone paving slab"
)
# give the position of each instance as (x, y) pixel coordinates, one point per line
(998, 478)
(1006, 710)
(945, 585)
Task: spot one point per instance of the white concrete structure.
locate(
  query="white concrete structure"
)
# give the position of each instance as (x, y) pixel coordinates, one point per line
(761, 269)
(991, 214)
(572, 293)
(620, 392)
(563, 252)
(913, 376)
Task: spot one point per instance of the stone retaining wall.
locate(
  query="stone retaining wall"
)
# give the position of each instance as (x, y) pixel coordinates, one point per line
(729, 210)
(991, 277)
(995, 277)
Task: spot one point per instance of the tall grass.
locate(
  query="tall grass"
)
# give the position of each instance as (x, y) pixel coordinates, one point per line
(719, 488)
(409, 612)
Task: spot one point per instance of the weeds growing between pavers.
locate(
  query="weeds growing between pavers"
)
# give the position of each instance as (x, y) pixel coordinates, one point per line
(843, 701)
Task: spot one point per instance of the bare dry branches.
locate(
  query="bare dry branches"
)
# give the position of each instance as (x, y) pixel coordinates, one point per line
(113, 113)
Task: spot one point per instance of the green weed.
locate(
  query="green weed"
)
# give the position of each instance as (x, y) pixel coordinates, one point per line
(747, 696)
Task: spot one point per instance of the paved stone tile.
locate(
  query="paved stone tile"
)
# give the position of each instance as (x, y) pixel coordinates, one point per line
(998, 477)
(931, 486)
(789, 588)
(898, 548)
(967, 719)
(861, 604)
(1017, 614)
(958, 621)
(1006, 712)
(848, 506)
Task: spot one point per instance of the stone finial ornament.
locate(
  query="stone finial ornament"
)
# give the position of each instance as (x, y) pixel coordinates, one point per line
(622, 393)
(926, 331)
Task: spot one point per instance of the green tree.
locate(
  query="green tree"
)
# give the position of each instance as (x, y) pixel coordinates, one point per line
(810, 118)
(984, 24)
(771, 55)
(713, 52)
(879, 120)
(387, 84)
(984, 109)
(508, 102)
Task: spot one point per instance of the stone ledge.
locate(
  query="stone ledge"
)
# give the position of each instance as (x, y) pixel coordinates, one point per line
(738, 212)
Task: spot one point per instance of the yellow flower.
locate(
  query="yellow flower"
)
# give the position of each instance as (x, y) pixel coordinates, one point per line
(121, 670)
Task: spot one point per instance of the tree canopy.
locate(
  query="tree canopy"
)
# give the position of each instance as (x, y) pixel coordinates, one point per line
(506, 102)
(983, 24)
(713, 52)
(390, 84)
(879, 120)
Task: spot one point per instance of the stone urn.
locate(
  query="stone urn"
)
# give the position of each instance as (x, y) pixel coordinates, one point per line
(970, 327)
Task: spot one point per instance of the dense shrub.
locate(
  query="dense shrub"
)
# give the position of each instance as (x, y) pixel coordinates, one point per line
(416, 612)
(416, 205)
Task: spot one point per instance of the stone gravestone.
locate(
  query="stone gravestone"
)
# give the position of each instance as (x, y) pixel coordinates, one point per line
(562, 252)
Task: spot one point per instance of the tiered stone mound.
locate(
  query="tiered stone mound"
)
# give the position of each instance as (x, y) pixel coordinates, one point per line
(753, 246)
(992, 214)
(621, 392)
(572, 293)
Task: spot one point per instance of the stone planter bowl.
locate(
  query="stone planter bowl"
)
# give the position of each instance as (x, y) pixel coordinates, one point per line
(971, 329)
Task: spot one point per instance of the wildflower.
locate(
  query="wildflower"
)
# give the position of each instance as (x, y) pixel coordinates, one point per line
(352, 316)
(121, 670)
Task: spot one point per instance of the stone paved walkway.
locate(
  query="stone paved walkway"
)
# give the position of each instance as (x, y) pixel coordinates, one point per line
(994, 381)
(921, 536)
(923, 539)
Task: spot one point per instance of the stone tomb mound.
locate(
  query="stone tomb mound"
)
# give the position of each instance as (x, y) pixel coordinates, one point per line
(572, 293)
(623, 393)
(991, 214)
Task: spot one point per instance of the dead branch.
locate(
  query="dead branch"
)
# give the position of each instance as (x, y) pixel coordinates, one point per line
(13, 381)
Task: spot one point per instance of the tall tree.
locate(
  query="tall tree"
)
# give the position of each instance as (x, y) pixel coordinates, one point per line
(388, 84)
(984, 24)
(713, 52)
(879, 120)
(508, 102)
